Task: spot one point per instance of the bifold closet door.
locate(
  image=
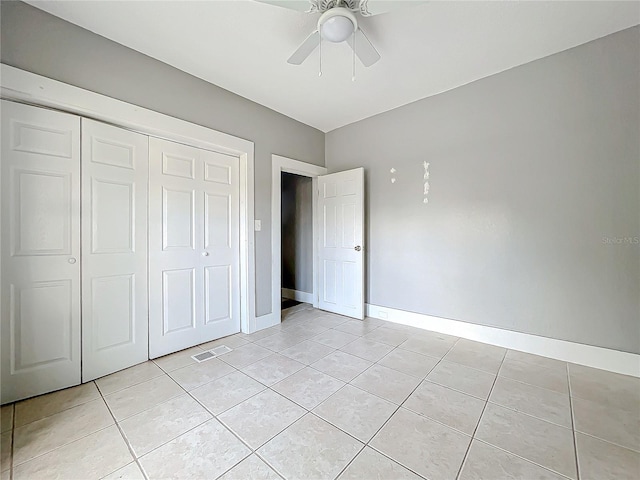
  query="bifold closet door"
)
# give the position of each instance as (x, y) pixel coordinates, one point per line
(194, 246)
(40, 251)
(115, 166)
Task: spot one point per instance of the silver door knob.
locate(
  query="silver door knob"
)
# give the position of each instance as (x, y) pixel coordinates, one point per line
(72, 260)
(357, 248)
(205, 254)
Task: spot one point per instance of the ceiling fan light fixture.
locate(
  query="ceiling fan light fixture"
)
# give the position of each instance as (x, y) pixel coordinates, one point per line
(337, 25)
(337, 29)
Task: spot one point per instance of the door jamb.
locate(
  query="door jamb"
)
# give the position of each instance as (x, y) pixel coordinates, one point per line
(281, 164)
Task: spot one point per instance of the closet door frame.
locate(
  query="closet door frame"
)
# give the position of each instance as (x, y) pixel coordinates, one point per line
(25, 87)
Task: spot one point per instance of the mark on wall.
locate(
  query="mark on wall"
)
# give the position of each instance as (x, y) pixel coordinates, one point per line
(425, 177)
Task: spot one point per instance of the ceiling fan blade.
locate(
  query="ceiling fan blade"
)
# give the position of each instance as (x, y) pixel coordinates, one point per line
(364, 49)
(299, 5)
(375, 7)
(308, 46)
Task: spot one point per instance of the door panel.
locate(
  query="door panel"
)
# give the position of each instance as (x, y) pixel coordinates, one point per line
(341, 255)
(113, 310)
(113, 213)
(179, 298)
(41, 217)
(217, 293)
(194, 246)
(40, 251)
(178, 222)
(36, 346)
(114, 240)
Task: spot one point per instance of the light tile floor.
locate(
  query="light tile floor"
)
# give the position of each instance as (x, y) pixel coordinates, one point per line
(323, 397)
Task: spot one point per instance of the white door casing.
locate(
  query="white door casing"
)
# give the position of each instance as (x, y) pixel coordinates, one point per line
(194, 246)
(115, 170)
(340, 244)
(40, 251)
(281, 164)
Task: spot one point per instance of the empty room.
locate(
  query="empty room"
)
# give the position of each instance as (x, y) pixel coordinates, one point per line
(320, 240)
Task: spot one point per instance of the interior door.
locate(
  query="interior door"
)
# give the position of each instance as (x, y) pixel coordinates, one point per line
(340, 247)
(40, 251)
(115, 170)
(194, 246)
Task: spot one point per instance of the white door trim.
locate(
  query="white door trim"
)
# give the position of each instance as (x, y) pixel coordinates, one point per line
(281, 164)
(26, 87)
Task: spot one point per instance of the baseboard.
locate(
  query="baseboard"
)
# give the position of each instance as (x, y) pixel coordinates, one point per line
(297, 295)
(597, 357)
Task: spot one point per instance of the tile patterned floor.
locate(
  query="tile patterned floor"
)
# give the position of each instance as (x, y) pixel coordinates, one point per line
(323, 397)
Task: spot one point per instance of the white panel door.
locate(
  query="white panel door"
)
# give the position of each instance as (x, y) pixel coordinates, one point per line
(194, 246)
(115, 173)
(340, 252)
(40, 251)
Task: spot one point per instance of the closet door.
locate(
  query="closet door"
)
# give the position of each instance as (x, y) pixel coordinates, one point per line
(194, 246)
(115, 166)
(40, 251)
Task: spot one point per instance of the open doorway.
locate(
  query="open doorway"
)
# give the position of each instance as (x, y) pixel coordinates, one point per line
(296, 240)
(294, 251)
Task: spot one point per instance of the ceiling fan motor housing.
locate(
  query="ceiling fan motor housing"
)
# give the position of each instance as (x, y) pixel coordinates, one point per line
(337, 25)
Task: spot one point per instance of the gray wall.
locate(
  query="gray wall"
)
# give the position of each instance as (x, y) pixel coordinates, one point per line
(41, 43)
(535, 180)
(297, 233)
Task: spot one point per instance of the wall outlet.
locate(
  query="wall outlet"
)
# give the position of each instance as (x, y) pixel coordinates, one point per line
(383, 314)
(258, 225)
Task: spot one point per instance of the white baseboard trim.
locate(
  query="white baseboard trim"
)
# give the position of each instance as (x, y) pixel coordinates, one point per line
(597, 357)
(297, 295)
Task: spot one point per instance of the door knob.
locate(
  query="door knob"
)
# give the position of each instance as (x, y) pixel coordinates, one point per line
(357, 248)
(72, 260)
(205, 254)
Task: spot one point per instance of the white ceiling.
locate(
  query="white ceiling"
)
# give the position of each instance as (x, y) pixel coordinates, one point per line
(426, 49)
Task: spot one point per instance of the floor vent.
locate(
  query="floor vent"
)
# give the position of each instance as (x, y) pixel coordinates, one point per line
(221, 350)
(209, 354)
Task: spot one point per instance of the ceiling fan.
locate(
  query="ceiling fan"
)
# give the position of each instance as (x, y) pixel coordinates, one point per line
(338, 23)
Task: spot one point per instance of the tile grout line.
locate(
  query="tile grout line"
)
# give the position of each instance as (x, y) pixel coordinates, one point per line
(526, 460)
(531, 385)
(368, 443)
(124, 437)
(42, 454)
(13, 429)
(307, 411)
(573, 426)
(254, 451)
(161, 373)
(213, 417)
(484, 408)
(59, 411)
(133, 384)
